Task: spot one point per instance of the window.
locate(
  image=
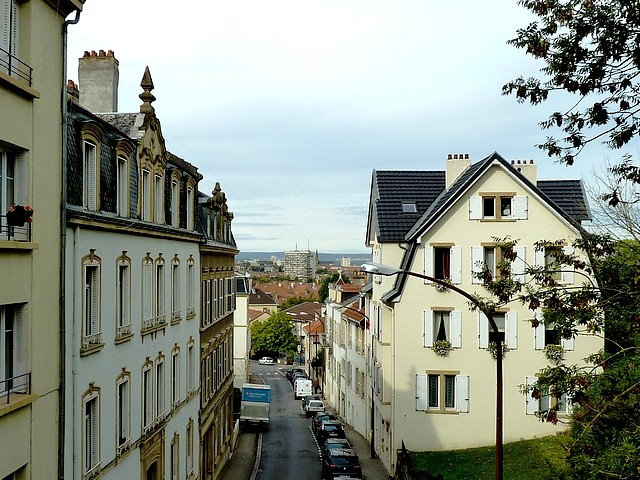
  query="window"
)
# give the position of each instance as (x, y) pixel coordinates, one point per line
(535, 406)
(160, 410)
(176, 313)
(190, 208)
(91, 432)
(123, 402)
(191, 366)
(9, 38)
(409, 207)
(147, 395)
(175, 204)
(89, 176)
(145, 196)
(175, 376)
(191, 283)
(442, 325)
(91, 333)
(123, 186)
(507, 323)
(159, 292)
(444, 263)
(498, 206)
(147, 293)
(548, 258)
(13, 348)
(190, 462)
(13, 178)
(546, 334)
(123, 300)
(175, 457)
(441, 392)
(488, 207)
(159, 199)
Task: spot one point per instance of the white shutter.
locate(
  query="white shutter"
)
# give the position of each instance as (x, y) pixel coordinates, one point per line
(15, 22)
(20, 179)
(147, 290)
(428, 262)
(455, 325)
(126, 293)
(483, 330)
(568, 275)
(91, 175)
(519, 265)
(5, 28)
(539, 331)
(462, 393)
(475, 208)
(538, 258)
(567, 343)
(95, 300)
(427, 330)
(532, 405)
(520, 207)
(20, 347)
(125, 411)
(421, 391)
(456, 265)
(95, 431)
(477, 259)
(511, 329)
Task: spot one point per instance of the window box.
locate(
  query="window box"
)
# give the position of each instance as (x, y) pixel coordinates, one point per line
(442, 348)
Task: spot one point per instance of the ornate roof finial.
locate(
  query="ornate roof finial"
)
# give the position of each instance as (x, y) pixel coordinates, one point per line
(146, 96)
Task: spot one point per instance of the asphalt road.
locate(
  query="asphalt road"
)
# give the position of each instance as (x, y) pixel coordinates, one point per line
(289, 450)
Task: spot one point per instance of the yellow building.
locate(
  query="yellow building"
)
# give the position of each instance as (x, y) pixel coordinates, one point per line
(32, 72)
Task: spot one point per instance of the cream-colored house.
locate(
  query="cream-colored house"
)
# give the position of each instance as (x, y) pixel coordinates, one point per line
(32, 66)
(442, 223)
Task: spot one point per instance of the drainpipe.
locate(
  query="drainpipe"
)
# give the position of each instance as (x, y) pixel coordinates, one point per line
(63, 245)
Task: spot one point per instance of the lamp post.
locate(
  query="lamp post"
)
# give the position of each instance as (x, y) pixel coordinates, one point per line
(387, 271)
(365, 318)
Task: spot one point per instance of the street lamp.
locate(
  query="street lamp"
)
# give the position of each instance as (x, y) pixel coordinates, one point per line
(365, 326)
(387, 271)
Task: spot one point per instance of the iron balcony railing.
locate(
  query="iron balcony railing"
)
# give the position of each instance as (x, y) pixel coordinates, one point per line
(14, 233)
(14, 67)
(20, 384)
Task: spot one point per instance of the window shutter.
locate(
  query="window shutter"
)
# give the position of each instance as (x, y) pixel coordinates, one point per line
(568, 272)
(462, 393)
(511, 329)
(126, 292)
(427, 331)
(91, 177)
(518, 266)
(521, 207)
(95, 432)
(20, 347)
(125, 411)
(539, 331)
(147, 290)
(421, 391)
(428, 262)
(5, 28)
(538, 258)
(455, 319)
(15, 21)
(456, 265)
(21, 196)
(483, 330)
(477, 259)
(567, 343)
(475, 208)
(531, 403)
(95, 300)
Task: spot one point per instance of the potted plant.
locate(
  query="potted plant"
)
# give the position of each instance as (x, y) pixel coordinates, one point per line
(443, 288)
(554, 353)
(493, 350)
(18, 215)
(442, 347)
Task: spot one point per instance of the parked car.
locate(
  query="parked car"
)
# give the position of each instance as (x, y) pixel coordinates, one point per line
(328, 429)
(296, 375)
(289, 373)
(341, 463)
(313, 407)
(331, 443)
(266, 361)
(319, 418)
(306, 399)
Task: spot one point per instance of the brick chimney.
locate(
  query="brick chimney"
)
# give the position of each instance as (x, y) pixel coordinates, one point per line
(456, 164)
(73, 93)
(98, 76)
(528, 169)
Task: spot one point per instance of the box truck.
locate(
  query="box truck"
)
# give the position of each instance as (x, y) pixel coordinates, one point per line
(254, 405)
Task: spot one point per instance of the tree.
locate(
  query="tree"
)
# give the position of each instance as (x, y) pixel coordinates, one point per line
(295, 300)
(326, 281)
(591, 49)
(274, 335)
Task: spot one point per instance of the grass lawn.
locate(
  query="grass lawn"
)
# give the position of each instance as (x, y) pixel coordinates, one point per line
(541, 458)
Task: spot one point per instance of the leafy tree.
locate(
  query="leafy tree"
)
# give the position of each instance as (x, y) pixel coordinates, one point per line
(293, 301)
(591, 49)
(326, 281)
(274, 335)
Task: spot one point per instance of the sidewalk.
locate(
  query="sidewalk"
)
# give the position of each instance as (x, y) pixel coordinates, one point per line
(240, 465)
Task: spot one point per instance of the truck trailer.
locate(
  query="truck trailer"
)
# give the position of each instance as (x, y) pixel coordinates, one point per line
(254, 405)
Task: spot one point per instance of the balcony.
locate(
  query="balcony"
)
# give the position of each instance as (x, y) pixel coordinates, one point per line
(13, 233)
(91, 343)
(16, 68)
(15, 393)
(154, 323)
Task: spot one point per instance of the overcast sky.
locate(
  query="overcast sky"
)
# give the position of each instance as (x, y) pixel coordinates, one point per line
(291, 104)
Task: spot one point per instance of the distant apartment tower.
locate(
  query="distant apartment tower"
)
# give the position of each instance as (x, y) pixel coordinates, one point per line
(300, 264)
(346, 262)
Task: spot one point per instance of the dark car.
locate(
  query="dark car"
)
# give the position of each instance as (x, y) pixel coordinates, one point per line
(319, 418)
(341, 463)
(329, 429)
(331, 443)
(289, 373)
(297, 375)
(307, 398)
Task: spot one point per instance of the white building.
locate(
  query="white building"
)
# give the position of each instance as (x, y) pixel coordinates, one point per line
(300, 264)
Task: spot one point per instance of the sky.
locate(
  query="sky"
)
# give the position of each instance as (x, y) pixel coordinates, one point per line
(291, 104)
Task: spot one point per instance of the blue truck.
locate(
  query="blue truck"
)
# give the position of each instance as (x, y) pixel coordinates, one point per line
(254, 405)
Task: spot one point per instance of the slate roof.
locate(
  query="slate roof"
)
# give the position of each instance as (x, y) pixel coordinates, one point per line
(569, 195)
(125, 122)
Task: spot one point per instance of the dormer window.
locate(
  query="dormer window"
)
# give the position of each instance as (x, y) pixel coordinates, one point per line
(409, 207)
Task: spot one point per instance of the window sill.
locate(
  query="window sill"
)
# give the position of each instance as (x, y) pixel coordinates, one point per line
(19, 86)
(123, 338)
(16, 402)
(18, 245)
(176, 320)
(91, 349)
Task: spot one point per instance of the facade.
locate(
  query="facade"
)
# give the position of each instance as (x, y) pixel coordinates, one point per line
(300, 264)
(132, 310)
(444, 224)
(32, 69)
(241, 331)
(218, 287)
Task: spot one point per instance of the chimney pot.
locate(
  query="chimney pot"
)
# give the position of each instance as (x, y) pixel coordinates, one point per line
(455, 156)
(531, 161)
(449, 156)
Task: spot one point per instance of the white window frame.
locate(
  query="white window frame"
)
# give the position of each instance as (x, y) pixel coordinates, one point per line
(191, 366)
(190, 207)
(176, 311)
(91, 311)
(159, 388)
(147, 403)
(123, 413)
(9, 34)
(145, 195)
(13, 318)
(533, 406)
(175, 377)
(567, 272)
(453, 327)
(159, 292)
(191, 283)
(90, 175)
(123, 186)
(460, 392)
(158, 188)
(91, 433)
(147, 293)
(123, 298)
(540, 335)
(510, 330)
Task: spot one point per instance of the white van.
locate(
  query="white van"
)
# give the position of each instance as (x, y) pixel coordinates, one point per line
(301, 388)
